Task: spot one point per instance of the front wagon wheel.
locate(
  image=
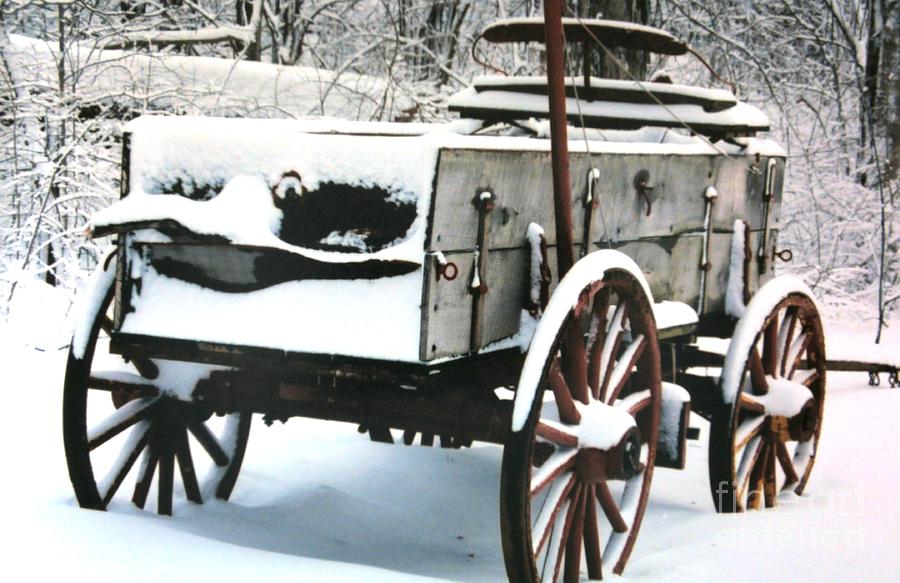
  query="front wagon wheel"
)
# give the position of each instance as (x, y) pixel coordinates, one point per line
(576, 476)
(136, 418)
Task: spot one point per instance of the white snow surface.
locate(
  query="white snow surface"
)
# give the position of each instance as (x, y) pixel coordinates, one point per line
(534, 234)
(670, 314)
(588, 269)
(602, 83)
(210, 85)
(741, 114)
(364, 318)
(673, 399)
(314, 501)
(785, 398)
(249, 157)
(602, 426)
(569, 21)
(761, 305)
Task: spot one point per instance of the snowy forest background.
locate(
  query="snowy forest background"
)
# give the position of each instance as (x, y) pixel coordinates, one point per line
(71, 71)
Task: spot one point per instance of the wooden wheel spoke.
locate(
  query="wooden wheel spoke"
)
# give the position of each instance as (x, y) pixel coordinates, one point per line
(145, 476)
(166, 478)
(786, 329)
(556, 433)
(574, 358)
(624, 366)
(575, 538)
(770, 486)
(805, 377)
(593, 552)
(555, 501)
(770, 355)
(120, 420)
(787, 464)
(757, 373)
(186, 466)
(796, 350)
(610, 509)
(748, 403)
(611, 343)
(757, 478)
(129, 454)
(209, 442)
(636, 402)
(122, 383)
(565, 403)
(556, 540)
(748, 429)
(597, 335)
(563, 539)
(556, 464)
(748, 462)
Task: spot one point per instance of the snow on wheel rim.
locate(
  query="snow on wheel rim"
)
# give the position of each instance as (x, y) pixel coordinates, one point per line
(589, 269)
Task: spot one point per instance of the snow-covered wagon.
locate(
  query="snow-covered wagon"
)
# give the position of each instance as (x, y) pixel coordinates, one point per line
(402, 277)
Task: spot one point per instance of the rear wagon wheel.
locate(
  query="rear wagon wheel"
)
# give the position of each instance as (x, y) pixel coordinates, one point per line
(134, 418)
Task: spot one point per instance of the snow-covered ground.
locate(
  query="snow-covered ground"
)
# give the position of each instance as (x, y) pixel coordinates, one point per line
(318, 502)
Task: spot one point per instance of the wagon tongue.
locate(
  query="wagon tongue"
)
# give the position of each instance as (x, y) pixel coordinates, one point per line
(562, 198)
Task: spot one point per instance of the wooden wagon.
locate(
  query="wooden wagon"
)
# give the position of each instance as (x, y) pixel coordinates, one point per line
(400, 277)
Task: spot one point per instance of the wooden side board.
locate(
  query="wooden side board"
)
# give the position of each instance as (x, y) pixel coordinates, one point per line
(522, 183)
(670, 264)
(667, 245)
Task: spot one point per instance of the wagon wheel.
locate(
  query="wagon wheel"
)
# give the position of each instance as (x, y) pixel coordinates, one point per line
(116, 412)
(764, 436)
(576, 476)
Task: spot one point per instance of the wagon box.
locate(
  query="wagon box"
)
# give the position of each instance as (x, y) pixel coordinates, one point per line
(358, 242)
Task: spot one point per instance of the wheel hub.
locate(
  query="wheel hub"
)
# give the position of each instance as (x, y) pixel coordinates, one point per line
(622, 462)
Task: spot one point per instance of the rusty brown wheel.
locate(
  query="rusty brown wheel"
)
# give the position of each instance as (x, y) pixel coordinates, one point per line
(764, 435)
(578, 465)
(136, 417)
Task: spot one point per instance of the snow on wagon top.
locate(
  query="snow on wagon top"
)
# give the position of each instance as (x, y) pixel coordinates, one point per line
(235, 176)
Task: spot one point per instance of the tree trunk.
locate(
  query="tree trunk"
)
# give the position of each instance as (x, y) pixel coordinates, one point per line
(889, 81)
(244, 17)
(602, 64)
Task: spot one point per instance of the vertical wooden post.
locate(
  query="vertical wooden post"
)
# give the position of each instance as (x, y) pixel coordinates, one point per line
(559, 140)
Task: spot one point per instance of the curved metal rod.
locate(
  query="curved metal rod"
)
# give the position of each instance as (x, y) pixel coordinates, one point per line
(712, 71)
(485, 64)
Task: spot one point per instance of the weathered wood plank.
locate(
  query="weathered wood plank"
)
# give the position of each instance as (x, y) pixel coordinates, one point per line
(522, 181)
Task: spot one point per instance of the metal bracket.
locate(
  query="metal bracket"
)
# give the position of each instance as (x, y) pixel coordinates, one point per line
(762, 257)
(710, 195)
(591, 201)
(785, 255)
(445, 269)
(642, 187)
(484, 202)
